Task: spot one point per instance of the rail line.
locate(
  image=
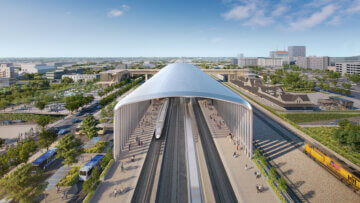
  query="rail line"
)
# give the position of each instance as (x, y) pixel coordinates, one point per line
(223, 191)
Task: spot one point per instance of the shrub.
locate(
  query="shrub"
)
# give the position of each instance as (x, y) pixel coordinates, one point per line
(71, 178)
(98, 148)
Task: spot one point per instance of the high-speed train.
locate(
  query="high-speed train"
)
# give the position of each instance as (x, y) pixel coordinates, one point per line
(161, 119)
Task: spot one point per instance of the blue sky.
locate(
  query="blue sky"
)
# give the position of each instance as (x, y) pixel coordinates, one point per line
(115, 28)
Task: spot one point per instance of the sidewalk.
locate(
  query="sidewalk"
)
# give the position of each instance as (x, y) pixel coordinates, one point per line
(243, 180)
(126, 180)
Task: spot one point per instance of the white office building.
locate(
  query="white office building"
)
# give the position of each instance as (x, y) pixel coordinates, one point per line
(313, 62)
(36, 68)
(348, 67)
(77, 77)
(270, 62)
(248, 61)
(297, 51)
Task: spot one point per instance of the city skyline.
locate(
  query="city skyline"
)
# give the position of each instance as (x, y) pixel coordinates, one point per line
(169, 28)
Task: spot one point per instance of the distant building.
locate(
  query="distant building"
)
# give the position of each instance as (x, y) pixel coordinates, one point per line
(36, 68)
(122, 66)
(335, 60)
(248, 61)
(313, 62)
(335, 103)
(275, 94)
(234, 61)
(6, 71)
(84, 77)
(279, 54)
(332, 68)
(57, 74)
(111, 77)
(270, 62)
(7, 75)
(296, 51)
(348, 67)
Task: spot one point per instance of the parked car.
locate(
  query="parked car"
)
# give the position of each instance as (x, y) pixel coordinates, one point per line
(63, 131)
(75, 120)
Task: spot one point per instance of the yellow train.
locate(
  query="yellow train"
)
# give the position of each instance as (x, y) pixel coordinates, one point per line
(333, 166)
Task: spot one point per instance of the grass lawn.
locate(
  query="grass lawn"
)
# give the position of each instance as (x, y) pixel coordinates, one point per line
(325, 136)
(27, 117)
(310, 117)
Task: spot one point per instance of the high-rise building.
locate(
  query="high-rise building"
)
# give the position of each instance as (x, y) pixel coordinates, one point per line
(313, 62)
(279, 54)
(6, 71)
(270, 62)
(248, 61)
(234, 61)
(297, 51)
(7, 75)
(348, 67)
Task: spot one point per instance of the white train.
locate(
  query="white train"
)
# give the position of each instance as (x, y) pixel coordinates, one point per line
(161, 119)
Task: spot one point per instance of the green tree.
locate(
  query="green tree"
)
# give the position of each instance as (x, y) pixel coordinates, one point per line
(272, 174)
(257, 153)
(2, 142)
(43, 120)
(69, 148)
(67, 80)
(346, 85)
(263, 161)
(88, 126)
(355, 78)
(90, 183)
(23, 185)
(40, 105)
(282, 184)
(47, 137)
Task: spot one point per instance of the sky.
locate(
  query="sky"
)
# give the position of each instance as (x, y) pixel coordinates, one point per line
(161, 28)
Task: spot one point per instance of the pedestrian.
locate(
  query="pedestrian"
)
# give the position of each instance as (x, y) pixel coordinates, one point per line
(57, 189)
(246, 167)
(122, 167)
(234, 155)
(133, 158)
(115, 192)
(129, 147)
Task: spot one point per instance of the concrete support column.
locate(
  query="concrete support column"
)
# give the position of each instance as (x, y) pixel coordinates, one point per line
(146, 77)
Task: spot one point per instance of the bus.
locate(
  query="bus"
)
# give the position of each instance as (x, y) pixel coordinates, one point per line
(86, 170)
(46, 159)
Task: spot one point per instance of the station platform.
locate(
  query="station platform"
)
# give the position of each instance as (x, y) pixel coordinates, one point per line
(240, 169)
(126, 180)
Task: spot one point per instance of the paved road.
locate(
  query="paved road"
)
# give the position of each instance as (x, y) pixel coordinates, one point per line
(223, 191)
(173, 178)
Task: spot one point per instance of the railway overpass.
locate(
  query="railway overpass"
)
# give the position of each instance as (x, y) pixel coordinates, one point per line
(229, 73)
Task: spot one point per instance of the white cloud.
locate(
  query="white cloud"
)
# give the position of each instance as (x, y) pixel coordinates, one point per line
(239, 12)
(118, 12)
(335, 20)
(279, 11)
(259, 19)
(354, 8)
(125, 7)
(315, 19)
(115, 13)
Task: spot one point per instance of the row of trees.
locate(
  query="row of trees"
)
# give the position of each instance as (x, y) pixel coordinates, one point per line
(112, 87)
(348, 134)
(110, 98)
(76, 101)
(88, 126)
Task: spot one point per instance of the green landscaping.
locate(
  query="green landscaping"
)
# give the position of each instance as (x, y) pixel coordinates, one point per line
(316, 116)
(98, 148)
(71, 178)
(27, 117)
(327, 137)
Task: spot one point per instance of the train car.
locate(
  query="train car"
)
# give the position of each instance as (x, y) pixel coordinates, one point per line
(161, 119)
(46, 159)
(86, 170)
(333, 166)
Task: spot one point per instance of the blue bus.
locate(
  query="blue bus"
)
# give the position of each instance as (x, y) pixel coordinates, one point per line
(85, 171)
(46, 159)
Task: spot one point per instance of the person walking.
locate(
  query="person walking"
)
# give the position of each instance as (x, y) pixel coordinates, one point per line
(115, 192)
(246, 167)
(129, 147)
(122, 167)
(234, 155)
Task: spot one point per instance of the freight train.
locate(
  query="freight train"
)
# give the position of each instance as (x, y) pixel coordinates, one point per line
(161, 119)
(333, 166)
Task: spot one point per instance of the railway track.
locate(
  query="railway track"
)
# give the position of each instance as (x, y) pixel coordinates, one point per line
(145, 184)
(223, 191)
(173, 176)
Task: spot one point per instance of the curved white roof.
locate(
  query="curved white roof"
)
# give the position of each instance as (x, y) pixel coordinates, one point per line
(181, 80)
